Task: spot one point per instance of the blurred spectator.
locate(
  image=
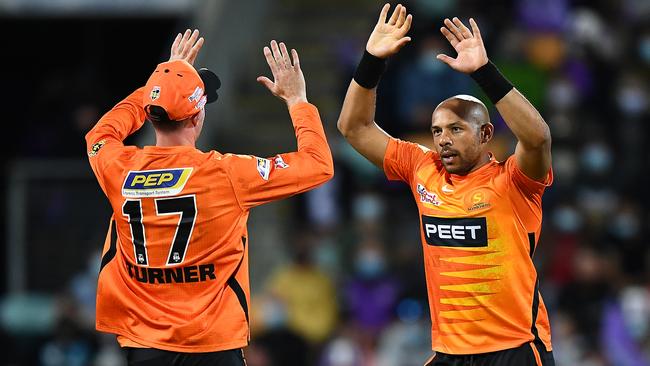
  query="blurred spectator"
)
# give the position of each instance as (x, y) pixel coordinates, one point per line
(371, 293)
(425, 82)
(307, 294)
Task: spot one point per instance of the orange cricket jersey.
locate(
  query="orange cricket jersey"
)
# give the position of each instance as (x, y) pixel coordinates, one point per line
(478, 234)
(174, 271)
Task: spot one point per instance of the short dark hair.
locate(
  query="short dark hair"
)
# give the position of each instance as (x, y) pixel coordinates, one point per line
(167, 125)
(160, 120)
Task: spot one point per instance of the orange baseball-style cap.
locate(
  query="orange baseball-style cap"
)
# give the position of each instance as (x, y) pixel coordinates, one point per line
(176, 91)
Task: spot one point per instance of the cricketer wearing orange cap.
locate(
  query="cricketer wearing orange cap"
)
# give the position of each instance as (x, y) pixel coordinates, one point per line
(173, 284)
(480, 219)
(176, 91)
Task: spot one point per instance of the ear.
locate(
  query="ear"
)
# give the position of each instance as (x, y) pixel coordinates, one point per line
(193, 121)
(487, 132)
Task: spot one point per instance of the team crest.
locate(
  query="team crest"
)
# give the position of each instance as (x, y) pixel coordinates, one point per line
(478, 200)
(95, 148)
(426, 196)
(155, 93)
(264, 168)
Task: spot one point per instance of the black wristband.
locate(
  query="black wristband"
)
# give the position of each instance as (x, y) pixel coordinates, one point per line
(493, 83)
(369, 70)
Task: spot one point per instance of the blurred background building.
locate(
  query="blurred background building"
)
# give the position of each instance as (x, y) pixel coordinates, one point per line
(337, 275)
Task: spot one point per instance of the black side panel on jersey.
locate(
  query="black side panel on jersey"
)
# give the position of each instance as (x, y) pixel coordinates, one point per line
(236, 287)
(112, 249)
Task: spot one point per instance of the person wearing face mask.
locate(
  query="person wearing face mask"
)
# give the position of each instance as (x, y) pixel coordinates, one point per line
(480, 219)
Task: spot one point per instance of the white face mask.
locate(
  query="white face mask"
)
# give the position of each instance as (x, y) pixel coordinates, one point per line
(635, 306)
(632, 100)
(597, 158)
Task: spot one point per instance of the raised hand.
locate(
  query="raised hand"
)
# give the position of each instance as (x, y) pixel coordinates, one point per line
(468, 45)
(389, 35)
(288, 81)
(186, 46)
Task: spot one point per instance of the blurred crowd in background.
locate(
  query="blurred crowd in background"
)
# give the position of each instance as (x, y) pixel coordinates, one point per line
(349, 287)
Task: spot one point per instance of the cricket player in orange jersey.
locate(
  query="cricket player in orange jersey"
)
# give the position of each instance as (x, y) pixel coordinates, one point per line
(480, 219)
(173, 284)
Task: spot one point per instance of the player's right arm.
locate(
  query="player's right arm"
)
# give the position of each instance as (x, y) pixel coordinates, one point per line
(356, 121)
(106, 138)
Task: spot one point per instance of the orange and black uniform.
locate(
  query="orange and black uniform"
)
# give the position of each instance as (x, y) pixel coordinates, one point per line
(479, 233)
(174, 271)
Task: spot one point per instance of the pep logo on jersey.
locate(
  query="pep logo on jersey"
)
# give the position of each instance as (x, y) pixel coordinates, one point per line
(155, 183)
(452, 232)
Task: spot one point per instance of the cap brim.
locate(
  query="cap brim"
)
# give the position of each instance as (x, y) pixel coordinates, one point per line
(212, 84)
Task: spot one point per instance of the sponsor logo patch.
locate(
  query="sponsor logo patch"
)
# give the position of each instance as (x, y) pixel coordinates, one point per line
(264, 168)
(155, 93)
(279, 163)
(453, 232)
(155, 183)
(426, 196)
(95, 148)
(198, 92)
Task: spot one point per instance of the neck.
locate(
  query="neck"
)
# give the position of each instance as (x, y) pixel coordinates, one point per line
(485, 158)
(167, 140)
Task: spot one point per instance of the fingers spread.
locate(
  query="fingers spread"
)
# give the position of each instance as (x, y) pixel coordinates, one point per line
(285, 55)
(177, 42)
(475, 30)
(450, 36)
(393, 18)
(270, 60)
(190, 42)
(402, 17)
(277, 55)
(296, 60)
(463, 29)
(453, 29)
(383, 14)
(401, 43)
(194, 51)
(183, 41)
(407, 24)
(446, 59)
(266, 82)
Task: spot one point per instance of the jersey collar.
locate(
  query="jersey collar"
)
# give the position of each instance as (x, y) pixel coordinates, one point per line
(167, 150)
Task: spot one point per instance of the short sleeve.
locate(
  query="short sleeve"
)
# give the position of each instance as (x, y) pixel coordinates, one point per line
(401, 158)
(529, 187)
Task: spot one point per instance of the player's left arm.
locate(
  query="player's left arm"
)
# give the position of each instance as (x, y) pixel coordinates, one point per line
(533, 151)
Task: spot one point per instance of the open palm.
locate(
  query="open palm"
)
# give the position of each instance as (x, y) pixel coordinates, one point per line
(388, 37)
(468, 45)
